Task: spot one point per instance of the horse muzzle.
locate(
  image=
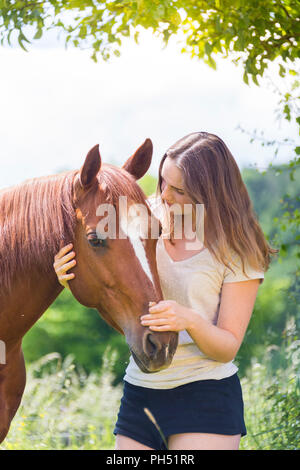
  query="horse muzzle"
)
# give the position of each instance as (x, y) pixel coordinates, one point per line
(155, 354)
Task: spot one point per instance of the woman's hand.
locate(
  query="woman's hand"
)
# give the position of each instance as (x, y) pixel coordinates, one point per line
(62, 263)
(167, 315)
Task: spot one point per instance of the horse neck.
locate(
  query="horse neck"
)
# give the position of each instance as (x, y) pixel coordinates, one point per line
(27, 302)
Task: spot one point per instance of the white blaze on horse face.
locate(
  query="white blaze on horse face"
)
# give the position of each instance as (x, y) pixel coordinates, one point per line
(140, 253)
(133, 223)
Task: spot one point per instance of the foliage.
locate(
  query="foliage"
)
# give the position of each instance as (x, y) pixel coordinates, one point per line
(64, 408)
(258, 32)
(289, 110)
(278, 298)
(272, 412)
(148, 184)
(286, 222)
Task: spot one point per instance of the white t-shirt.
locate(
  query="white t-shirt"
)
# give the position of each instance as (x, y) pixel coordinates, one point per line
(195, 282)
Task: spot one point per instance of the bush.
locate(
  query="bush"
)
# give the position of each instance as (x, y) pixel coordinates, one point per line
(272, 411)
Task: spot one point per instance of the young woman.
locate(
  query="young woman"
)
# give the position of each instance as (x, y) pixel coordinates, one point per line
(209, 295)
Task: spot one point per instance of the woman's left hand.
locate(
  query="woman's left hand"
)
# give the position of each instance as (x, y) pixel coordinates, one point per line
(167, 315)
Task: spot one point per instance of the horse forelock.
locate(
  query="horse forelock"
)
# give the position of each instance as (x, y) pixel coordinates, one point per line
(116, 182)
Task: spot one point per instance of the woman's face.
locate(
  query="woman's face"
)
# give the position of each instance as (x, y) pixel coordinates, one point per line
(173, 192)
(172, 185)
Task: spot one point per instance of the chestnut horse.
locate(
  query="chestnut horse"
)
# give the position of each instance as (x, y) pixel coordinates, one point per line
(117, 276)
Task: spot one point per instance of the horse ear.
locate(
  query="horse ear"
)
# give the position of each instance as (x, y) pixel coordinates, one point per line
(90, 168)
(137, 165)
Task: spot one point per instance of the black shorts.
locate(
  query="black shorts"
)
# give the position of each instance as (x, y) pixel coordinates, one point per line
(205, 406)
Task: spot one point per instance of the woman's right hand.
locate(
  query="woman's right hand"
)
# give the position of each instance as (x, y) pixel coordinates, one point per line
(62, 263)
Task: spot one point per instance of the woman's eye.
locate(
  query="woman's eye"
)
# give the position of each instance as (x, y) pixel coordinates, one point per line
(179, 192)
(97, 242)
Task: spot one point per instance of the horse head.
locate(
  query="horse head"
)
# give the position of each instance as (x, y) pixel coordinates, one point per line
(116, 270)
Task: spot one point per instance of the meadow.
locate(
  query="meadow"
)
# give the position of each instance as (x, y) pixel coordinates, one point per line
(63, 408)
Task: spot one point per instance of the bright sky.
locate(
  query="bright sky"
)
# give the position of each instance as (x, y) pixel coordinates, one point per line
(56, 104)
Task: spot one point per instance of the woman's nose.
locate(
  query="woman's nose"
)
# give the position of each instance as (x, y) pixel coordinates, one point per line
(164, 194)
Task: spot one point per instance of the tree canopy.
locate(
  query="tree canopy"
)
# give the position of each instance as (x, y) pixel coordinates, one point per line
(256, 32)
(253, 34)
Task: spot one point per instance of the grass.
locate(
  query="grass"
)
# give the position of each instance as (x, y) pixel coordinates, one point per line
(272, 402)
(63, 408)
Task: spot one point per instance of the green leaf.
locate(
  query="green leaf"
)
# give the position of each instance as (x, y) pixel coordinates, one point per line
(254, 78)
(245, 78)
(24, 38)
(82, 31)
(211, 62)
(8, 36)
(282, 70)
(21, 38)
(292, 177)
(283, 250)
(208, 48)
(159, 13)
(287, 112)
(38, 34)
(140, 5)
(175, 19)
(94, 57)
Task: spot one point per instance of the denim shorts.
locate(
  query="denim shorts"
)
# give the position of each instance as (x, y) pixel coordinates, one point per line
(204, 406)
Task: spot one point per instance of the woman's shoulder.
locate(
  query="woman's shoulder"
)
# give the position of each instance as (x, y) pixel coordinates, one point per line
(238, 268)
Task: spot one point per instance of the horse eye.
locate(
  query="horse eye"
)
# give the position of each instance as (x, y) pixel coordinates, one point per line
(97, 242)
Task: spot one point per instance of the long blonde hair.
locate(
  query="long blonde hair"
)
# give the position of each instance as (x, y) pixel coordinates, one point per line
(211, 177)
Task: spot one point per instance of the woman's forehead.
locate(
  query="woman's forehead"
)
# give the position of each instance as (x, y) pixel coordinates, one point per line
(171, 173)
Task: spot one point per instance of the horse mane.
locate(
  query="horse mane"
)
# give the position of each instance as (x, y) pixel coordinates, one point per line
(38, 217)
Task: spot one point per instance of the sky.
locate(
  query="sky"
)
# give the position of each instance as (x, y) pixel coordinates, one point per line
(56, 104)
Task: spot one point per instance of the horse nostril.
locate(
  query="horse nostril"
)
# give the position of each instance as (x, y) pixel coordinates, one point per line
(151, 345)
